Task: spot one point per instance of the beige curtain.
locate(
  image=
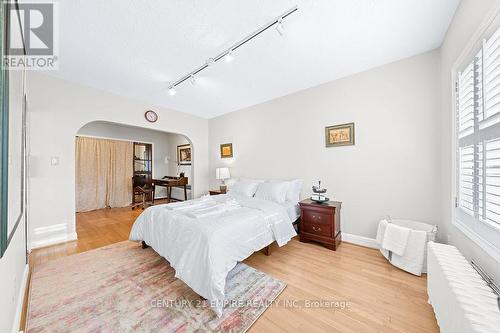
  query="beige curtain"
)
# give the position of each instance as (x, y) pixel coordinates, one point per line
(103, 173)
(120, 174)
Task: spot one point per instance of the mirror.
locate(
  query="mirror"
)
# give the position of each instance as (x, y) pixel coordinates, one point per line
(13, 130)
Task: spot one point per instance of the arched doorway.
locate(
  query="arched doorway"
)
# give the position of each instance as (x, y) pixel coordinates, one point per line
(97, 198)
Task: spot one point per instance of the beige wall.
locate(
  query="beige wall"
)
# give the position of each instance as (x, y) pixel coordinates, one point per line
(393, 169)
(468, 18)
(57, 110)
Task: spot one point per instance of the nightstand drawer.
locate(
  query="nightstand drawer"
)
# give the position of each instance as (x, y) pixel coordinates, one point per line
(320, 222)
(318, 229)
(314, 217)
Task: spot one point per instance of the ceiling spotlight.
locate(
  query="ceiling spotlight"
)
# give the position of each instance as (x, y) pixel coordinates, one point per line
(192, 79)
(210, 62)
(229, 56)
(280, 27)
(172, 91)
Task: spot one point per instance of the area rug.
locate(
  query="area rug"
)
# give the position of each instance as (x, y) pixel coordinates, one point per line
(123, 288)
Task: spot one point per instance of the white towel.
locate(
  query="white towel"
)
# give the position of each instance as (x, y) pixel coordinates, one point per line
(396, 239)
(214, 209)
(382, 225)
(191, 204)
(413, 259)
(204, 212)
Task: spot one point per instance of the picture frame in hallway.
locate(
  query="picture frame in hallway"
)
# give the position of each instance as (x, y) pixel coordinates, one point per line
(226, 150)
(184, 154)
(339, 135)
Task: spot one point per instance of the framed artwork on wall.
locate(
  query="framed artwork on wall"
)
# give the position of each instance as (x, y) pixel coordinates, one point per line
(226, 150)
(184, 154)
(339, 135)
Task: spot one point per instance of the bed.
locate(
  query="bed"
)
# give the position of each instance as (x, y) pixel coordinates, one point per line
(204, 239)
(292, 210)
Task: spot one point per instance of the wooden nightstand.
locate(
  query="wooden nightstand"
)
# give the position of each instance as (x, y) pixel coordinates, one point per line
(216, 192)
(320, 222)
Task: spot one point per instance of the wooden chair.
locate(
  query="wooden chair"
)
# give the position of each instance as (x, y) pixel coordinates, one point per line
(140, 186)
(178, 182)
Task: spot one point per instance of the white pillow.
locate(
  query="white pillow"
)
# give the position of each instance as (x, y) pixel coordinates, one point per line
(293, 193)
(273, 191)
(246, 187)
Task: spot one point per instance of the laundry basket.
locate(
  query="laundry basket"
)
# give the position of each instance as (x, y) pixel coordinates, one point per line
(414, 225)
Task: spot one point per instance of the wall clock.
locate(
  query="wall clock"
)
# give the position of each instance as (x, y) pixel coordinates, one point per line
(151, 116)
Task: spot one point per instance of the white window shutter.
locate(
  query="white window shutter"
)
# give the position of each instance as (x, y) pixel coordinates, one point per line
(465, 102)
(492, 193)
(466, 179)
(478, 134)
(491, 51)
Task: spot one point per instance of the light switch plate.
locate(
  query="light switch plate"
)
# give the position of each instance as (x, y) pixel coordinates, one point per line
(54, 160)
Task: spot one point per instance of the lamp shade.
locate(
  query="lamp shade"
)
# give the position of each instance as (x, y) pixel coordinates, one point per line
(222, 173)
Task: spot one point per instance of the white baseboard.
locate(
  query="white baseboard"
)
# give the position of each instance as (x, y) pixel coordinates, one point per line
(360, 240)
(54, 240)
(20, 300)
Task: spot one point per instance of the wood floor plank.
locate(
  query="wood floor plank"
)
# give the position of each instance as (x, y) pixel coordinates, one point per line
(381, 297)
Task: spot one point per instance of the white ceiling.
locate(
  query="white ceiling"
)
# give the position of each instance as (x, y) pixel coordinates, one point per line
(134, 48)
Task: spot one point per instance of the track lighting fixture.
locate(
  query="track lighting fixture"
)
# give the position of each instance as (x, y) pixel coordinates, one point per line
(210, 62)
(280, 27)
(228, 54)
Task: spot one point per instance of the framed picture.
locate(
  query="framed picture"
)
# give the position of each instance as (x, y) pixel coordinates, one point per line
(339, 135)
(184, 154)
(226, 150)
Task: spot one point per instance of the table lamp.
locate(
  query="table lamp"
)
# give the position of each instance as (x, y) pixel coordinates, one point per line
(222, 174)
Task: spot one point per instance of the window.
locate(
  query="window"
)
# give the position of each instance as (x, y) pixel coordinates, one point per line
(477, 98)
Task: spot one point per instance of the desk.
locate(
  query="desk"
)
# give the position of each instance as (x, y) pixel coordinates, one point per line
(170, 182)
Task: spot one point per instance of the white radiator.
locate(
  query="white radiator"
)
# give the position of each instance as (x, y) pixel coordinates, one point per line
(461, 299)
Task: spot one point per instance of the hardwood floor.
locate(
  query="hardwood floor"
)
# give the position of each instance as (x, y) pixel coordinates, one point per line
(381, 298)
(95, 229)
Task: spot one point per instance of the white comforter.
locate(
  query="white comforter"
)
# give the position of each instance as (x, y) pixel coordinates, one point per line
(203, 250)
